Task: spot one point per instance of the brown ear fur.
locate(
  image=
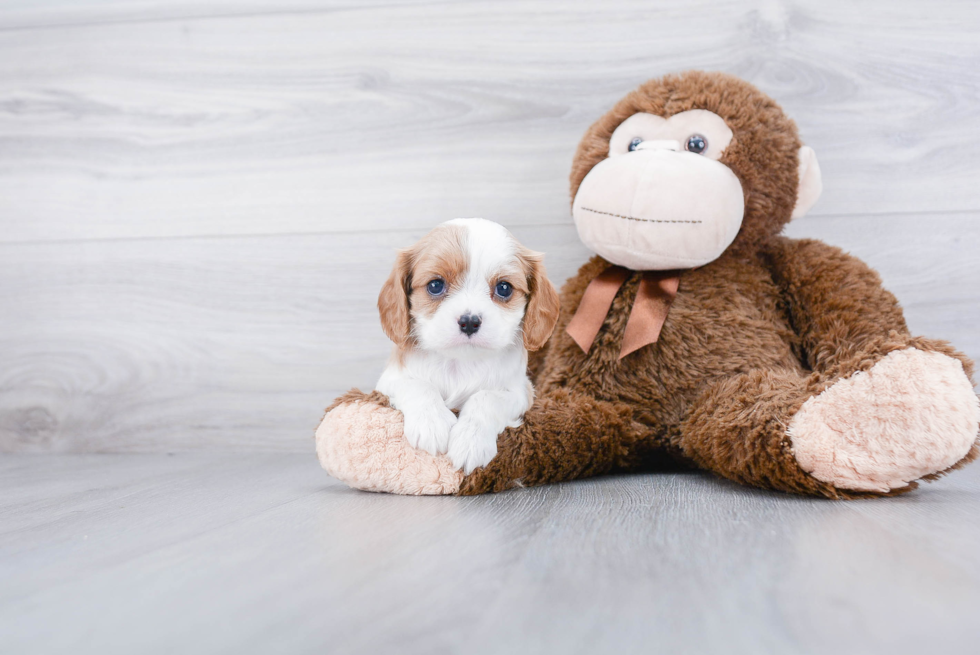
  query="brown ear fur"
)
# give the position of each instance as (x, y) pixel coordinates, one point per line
(393, 302)
(541, 314)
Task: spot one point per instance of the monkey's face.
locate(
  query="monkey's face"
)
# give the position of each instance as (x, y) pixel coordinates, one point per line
(662, 199)
(684, 167)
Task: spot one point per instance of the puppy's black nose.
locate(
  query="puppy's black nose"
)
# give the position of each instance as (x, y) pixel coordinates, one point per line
(468, 324)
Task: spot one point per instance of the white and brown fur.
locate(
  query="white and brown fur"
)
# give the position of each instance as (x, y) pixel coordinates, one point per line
(437, 368)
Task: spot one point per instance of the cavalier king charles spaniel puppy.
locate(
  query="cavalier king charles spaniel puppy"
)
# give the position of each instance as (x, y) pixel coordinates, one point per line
(464, 306)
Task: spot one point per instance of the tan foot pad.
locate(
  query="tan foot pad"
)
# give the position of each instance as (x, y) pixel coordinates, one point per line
(912, 414)
(362, 444)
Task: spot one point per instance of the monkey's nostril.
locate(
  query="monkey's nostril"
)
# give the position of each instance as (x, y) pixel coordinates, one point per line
(469, 324)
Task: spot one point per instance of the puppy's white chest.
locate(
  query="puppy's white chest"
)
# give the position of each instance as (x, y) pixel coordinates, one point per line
(458, 380)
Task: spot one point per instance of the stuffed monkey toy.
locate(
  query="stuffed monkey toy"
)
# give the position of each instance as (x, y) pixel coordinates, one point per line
(698, 334)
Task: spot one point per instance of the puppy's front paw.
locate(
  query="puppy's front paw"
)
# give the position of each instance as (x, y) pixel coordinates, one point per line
(471, 445)
(427, 427)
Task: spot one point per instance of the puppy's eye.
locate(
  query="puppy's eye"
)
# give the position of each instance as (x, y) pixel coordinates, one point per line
(504, 290)
(696, 144)
(635, 143)
(436, 287)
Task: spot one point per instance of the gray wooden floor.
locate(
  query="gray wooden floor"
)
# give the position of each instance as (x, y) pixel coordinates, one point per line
(261, 553)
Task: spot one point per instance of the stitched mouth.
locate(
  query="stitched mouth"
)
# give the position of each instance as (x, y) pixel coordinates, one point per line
(634, 218)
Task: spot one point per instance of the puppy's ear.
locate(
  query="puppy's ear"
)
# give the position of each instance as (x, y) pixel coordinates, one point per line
(393, 300)
(541, 314)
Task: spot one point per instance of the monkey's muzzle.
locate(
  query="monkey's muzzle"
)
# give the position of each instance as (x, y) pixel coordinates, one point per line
(659, 208)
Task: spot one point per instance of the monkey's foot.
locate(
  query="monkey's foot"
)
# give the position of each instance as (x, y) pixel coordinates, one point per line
(363, 445)
(913, 414)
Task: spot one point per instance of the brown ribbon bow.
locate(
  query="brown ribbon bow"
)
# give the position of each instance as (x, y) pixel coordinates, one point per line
(653, 299)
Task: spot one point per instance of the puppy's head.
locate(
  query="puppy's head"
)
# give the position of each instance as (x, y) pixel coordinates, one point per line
(466, 287)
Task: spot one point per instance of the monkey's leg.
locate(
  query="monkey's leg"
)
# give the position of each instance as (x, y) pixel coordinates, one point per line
(737, 429)
(564, 436)
(886, 408)
(874, 433)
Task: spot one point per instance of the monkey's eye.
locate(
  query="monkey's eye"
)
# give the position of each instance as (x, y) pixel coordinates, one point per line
(504, 290)
(696, 144)
(635, 143)
(436, 287)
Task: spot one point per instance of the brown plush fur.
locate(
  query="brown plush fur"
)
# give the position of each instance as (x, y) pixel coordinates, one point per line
(749, 338)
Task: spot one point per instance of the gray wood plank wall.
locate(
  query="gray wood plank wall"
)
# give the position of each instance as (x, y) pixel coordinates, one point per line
(199, 201)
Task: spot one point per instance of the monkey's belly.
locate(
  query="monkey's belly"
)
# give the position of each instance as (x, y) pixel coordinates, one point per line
(726, 319)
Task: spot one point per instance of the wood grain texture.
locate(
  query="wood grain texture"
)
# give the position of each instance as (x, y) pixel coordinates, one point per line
(239, 342)
(199, 201)
(254, 553)
(194, 122)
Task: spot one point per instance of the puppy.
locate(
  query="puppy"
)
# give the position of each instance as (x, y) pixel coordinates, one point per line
(464, 306)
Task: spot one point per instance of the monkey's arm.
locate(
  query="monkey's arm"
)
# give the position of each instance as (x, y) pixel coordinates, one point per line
(846, 320)
(836, 304)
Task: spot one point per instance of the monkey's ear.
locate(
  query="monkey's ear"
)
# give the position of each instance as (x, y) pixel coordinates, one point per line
(393, 300)
(543, 306)
(810, 183)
